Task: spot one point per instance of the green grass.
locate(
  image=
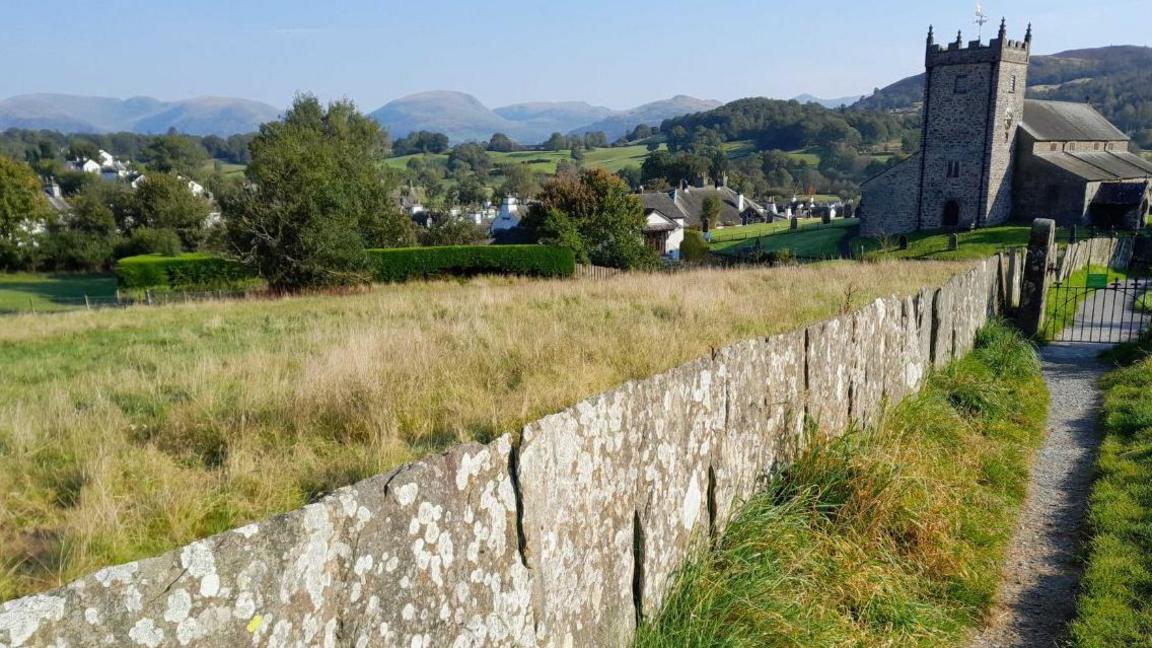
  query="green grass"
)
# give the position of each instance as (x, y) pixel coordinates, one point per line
(1114, 608)
(227, 169)
(889, 537)
(1061, 307)
(812, 240)
(24, 292)
(933, 244)
(611, 159)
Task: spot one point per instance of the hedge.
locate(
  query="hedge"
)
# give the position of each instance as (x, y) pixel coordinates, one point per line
(401, 264)
(183, 272)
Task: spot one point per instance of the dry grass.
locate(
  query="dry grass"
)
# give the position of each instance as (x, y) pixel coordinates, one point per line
(123, 434)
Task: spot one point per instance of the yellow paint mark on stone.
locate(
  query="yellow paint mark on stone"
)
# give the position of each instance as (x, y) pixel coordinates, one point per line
(255, 623)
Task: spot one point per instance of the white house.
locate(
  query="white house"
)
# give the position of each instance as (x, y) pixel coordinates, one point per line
(664, 233)
(87, 166)
(509, 215)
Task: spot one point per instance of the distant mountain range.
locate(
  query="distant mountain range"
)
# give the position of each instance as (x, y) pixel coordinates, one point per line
(828, 103)
(1117, 80)
(75, 114)
(462, 117)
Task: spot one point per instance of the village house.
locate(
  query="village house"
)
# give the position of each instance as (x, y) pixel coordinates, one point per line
(509, 215)
(988, 155)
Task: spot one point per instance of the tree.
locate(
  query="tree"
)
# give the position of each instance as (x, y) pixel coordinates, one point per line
(557, 142)
(709, 212)
(470, 156)
(87, 239)
(164, 201)
(22, 208)
(519, 181)
(594, 214)
(317, 197)
(174, 153)
(502, 143)
(452, 230)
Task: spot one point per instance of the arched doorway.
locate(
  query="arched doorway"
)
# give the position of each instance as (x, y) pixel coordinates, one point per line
(951, 214)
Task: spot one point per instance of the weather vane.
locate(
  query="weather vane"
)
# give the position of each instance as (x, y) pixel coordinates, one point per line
(981, 18)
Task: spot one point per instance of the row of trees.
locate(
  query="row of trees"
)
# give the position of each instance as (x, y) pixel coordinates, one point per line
(107, 221)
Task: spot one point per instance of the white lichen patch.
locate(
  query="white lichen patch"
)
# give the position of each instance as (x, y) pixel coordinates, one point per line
(248, 531)
(23, 617)
(109, 576)
(179, 606)
(145, 633)
(406, 494)
(200, 563)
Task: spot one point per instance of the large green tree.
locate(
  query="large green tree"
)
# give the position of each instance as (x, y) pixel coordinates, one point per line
(163, 201)
(23, 208)
(317, 197)
(594, 213)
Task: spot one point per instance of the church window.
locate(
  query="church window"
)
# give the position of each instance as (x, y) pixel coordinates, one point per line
(1055, 147)
(1012, 85)
(961, 86)
(1096, 146)
(953, 169)
(1071, 146)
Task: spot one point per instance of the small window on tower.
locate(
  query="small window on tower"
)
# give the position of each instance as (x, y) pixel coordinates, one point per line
(961, 86)
(1012, 85)
(953, 169)
(1071, 146)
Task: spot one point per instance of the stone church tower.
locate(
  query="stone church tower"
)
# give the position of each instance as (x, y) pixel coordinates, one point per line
(973, 105)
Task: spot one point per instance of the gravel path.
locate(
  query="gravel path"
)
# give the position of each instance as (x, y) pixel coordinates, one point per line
(1041, 573)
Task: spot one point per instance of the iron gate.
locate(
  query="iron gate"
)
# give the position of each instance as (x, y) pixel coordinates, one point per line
(1096, 310)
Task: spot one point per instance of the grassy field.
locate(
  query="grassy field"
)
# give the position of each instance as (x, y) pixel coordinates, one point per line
(227, 169)
(125, 433)
(612, 159)
(812, 240)
(977, 244)
(887, 537)
(1114, 609)
(25, 292)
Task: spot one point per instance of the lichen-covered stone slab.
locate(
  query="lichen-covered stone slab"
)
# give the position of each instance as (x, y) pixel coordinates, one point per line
(942, 331)
(765, 422)
(578, 472)
(675, 485)
(831, 361)
(361, 567)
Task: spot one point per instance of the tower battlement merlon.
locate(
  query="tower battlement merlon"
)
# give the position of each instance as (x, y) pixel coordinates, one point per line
(958, 52)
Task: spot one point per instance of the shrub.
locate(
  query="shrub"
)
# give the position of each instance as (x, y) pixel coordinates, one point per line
(182, 272)
(146, 240)
(401, 264)
(693, 247)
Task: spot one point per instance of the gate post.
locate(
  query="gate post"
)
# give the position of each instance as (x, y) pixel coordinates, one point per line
(1041, 254)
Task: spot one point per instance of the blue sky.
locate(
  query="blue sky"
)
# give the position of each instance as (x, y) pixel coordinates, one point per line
(617, 53)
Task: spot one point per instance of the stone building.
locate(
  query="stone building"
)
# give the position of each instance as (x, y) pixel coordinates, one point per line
(988, 155)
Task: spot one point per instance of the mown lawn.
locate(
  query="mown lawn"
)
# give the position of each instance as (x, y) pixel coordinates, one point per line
(976, 244)
(1114, 608)
(125, 433)
(33, 292)
(813, 240)
(886, 537)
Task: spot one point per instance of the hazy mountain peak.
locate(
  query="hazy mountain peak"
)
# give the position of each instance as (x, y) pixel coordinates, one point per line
(76, 113)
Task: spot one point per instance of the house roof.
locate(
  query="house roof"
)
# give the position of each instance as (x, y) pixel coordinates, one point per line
(688, 203)
(1067, 121)
(658, 222)
(1101, 165)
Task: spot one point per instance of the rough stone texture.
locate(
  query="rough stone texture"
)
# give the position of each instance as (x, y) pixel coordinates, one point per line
(1037, 274)
(765, 419)
(831, 362)
(566, 542)
(424, 556)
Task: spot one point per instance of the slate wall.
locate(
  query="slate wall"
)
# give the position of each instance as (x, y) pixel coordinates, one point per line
(567, 540)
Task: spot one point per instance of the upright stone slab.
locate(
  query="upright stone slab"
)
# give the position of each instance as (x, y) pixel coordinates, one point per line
(425, 556)
(765, 422)
(942, 331)
(830, 357)
(578, 472)
(869, 354)
(1041, 251)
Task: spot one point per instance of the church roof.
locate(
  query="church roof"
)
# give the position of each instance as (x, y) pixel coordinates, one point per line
(1067, 121)
(1101, 165)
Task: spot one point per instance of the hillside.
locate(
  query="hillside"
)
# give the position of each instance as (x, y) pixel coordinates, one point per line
(1116, 79)
(221, 116)
(650, 113)
(463, 117)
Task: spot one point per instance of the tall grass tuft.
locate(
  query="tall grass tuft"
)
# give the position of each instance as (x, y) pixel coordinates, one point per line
(884, 537)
